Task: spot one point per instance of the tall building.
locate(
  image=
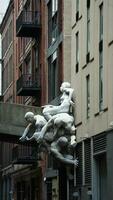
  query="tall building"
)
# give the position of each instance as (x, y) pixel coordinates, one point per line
(91, 77)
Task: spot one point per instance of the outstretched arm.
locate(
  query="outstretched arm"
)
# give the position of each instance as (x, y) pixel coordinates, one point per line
(23, 138)
(45, 106)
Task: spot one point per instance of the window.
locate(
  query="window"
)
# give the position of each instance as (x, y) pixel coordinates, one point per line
(53, 76)
(88, 28)
(28, 72)
(54, 79)
(10, 75)
(36, 57)
(54, 6)
(54, 28)
(77, 10)
(77, 5)
(49, 23)
(101, 80)
(5, 77)
(10, 34)
(20, 48)
(77, 51)
(101, 22)
(88, 95)
(101, 59)
(28, 69)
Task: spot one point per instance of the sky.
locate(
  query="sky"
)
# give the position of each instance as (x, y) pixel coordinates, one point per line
(3, 7)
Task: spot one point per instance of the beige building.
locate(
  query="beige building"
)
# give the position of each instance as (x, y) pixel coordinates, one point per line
(92, 116)
(91, 77)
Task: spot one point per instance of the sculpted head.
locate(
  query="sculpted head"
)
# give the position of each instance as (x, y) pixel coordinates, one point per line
(63, 141)
(65, 85)
(29, 116)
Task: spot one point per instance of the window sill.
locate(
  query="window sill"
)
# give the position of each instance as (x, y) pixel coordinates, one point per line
(79, 124)
(101, 112)
(110, 43)
(90, 61)
(76, 22)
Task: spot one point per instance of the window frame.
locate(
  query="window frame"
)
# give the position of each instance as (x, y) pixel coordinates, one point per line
(88, 96)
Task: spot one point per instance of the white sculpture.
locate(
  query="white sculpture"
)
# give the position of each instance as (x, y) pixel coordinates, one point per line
(65, 102)
(62, 120)
(56, 127)
(36, 122)
(60, 149)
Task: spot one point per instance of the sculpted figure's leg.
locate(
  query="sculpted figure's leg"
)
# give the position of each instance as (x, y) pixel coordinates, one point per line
(49, 112)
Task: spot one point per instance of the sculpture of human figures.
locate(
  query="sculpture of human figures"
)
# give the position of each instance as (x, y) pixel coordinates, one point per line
(65, 102)
(36, 122)
(59, 149)
(56, 120)
(60, 115)
(62, 120)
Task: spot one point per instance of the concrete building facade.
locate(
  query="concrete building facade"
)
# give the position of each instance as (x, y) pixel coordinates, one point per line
(91, 77)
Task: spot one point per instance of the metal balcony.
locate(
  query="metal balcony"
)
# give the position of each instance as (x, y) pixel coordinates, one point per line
(24, 155)
(28, 24)
(28, 85)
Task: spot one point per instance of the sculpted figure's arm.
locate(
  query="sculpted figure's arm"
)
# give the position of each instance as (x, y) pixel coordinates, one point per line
(63, 159)
(49, 106)
(70, 91)
(45, 128)
(27, 129)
